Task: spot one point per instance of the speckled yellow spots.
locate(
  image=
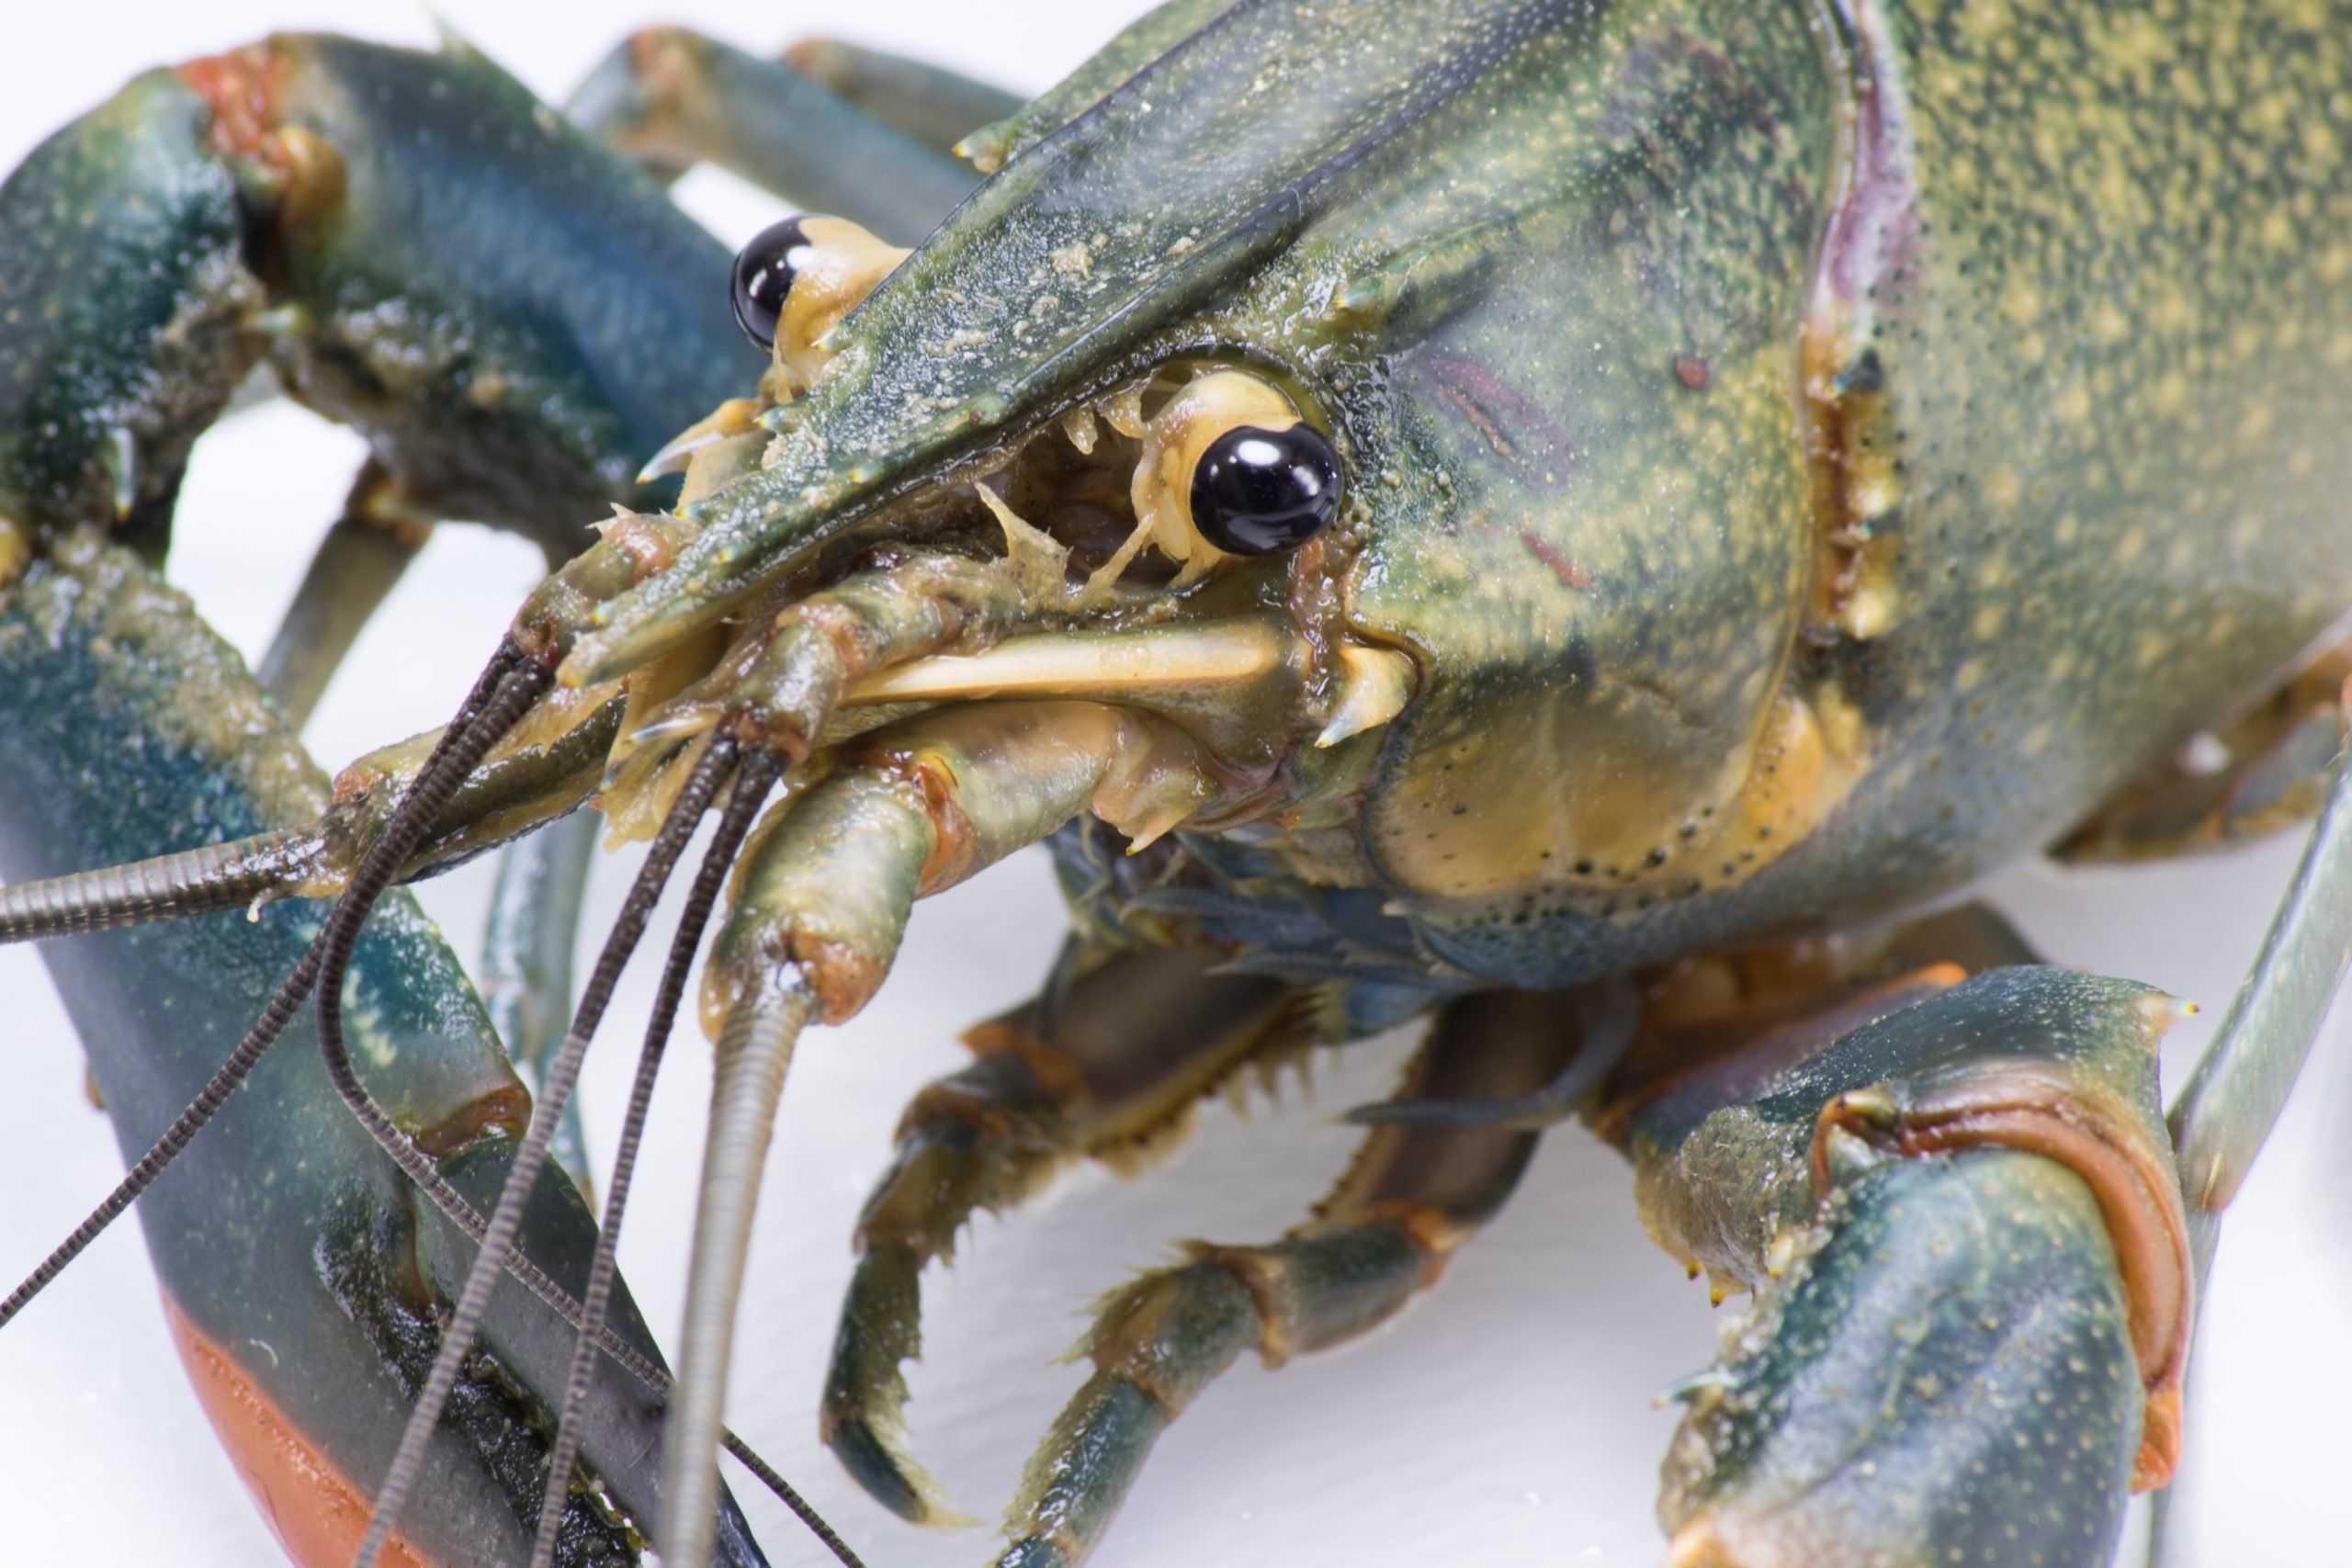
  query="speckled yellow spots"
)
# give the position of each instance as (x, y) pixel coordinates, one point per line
(2136, 43)
(2125, 309)
(2321, 143)
(2002, 488)
(2171, 313)
(1986, 22)
(2114, 197)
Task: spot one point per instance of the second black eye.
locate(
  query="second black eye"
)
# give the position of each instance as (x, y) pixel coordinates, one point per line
(764, 271)
(1257, 492)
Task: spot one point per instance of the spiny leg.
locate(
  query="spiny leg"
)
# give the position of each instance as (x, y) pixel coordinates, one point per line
(1973, 1279)
(1412, 1198)
(672, 98)
(1107, 1065)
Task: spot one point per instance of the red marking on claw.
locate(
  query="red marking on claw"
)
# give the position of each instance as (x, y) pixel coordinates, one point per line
(312, 1508)
(242, 87)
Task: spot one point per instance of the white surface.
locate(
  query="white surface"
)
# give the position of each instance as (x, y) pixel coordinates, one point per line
(1505, 1420)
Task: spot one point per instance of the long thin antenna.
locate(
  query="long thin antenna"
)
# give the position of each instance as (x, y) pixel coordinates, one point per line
(753, 783)
(473, 1301)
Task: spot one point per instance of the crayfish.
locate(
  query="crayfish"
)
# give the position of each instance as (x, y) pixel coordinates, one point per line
(1580, 530)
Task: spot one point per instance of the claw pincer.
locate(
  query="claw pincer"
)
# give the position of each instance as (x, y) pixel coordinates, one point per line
(270, 206)
(1965, 1237)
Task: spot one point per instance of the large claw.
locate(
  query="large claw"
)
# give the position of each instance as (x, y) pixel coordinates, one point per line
(261, 207)
(285, 1227)
(1965, 1237)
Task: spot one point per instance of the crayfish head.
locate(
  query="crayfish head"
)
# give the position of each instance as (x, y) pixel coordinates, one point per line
(924, 502)
(1373, 346)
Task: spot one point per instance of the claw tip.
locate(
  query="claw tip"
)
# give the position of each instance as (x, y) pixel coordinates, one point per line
(1696, 1546)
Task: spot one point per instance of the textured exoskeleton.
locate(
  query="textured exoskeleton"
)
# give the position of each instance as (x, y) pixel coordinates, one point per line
(1577, 520)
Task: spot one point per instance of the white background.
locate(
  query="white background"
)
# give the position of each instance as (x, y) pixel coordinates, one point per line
(1504, 1420)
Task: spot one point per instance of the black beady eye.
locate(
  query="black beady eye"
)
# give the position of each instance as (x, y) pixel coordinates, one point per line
(1256, 492)
(763, 273)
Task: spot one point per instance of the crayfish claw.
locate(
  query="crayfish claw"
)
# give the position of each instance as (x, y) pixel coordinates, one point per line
(1998, 1251)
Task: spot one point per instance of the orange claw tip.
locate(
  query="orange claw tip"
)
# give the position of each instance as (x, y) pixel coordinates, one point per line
(2159, 1440)
(1696, 1545)
(312, 1508)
